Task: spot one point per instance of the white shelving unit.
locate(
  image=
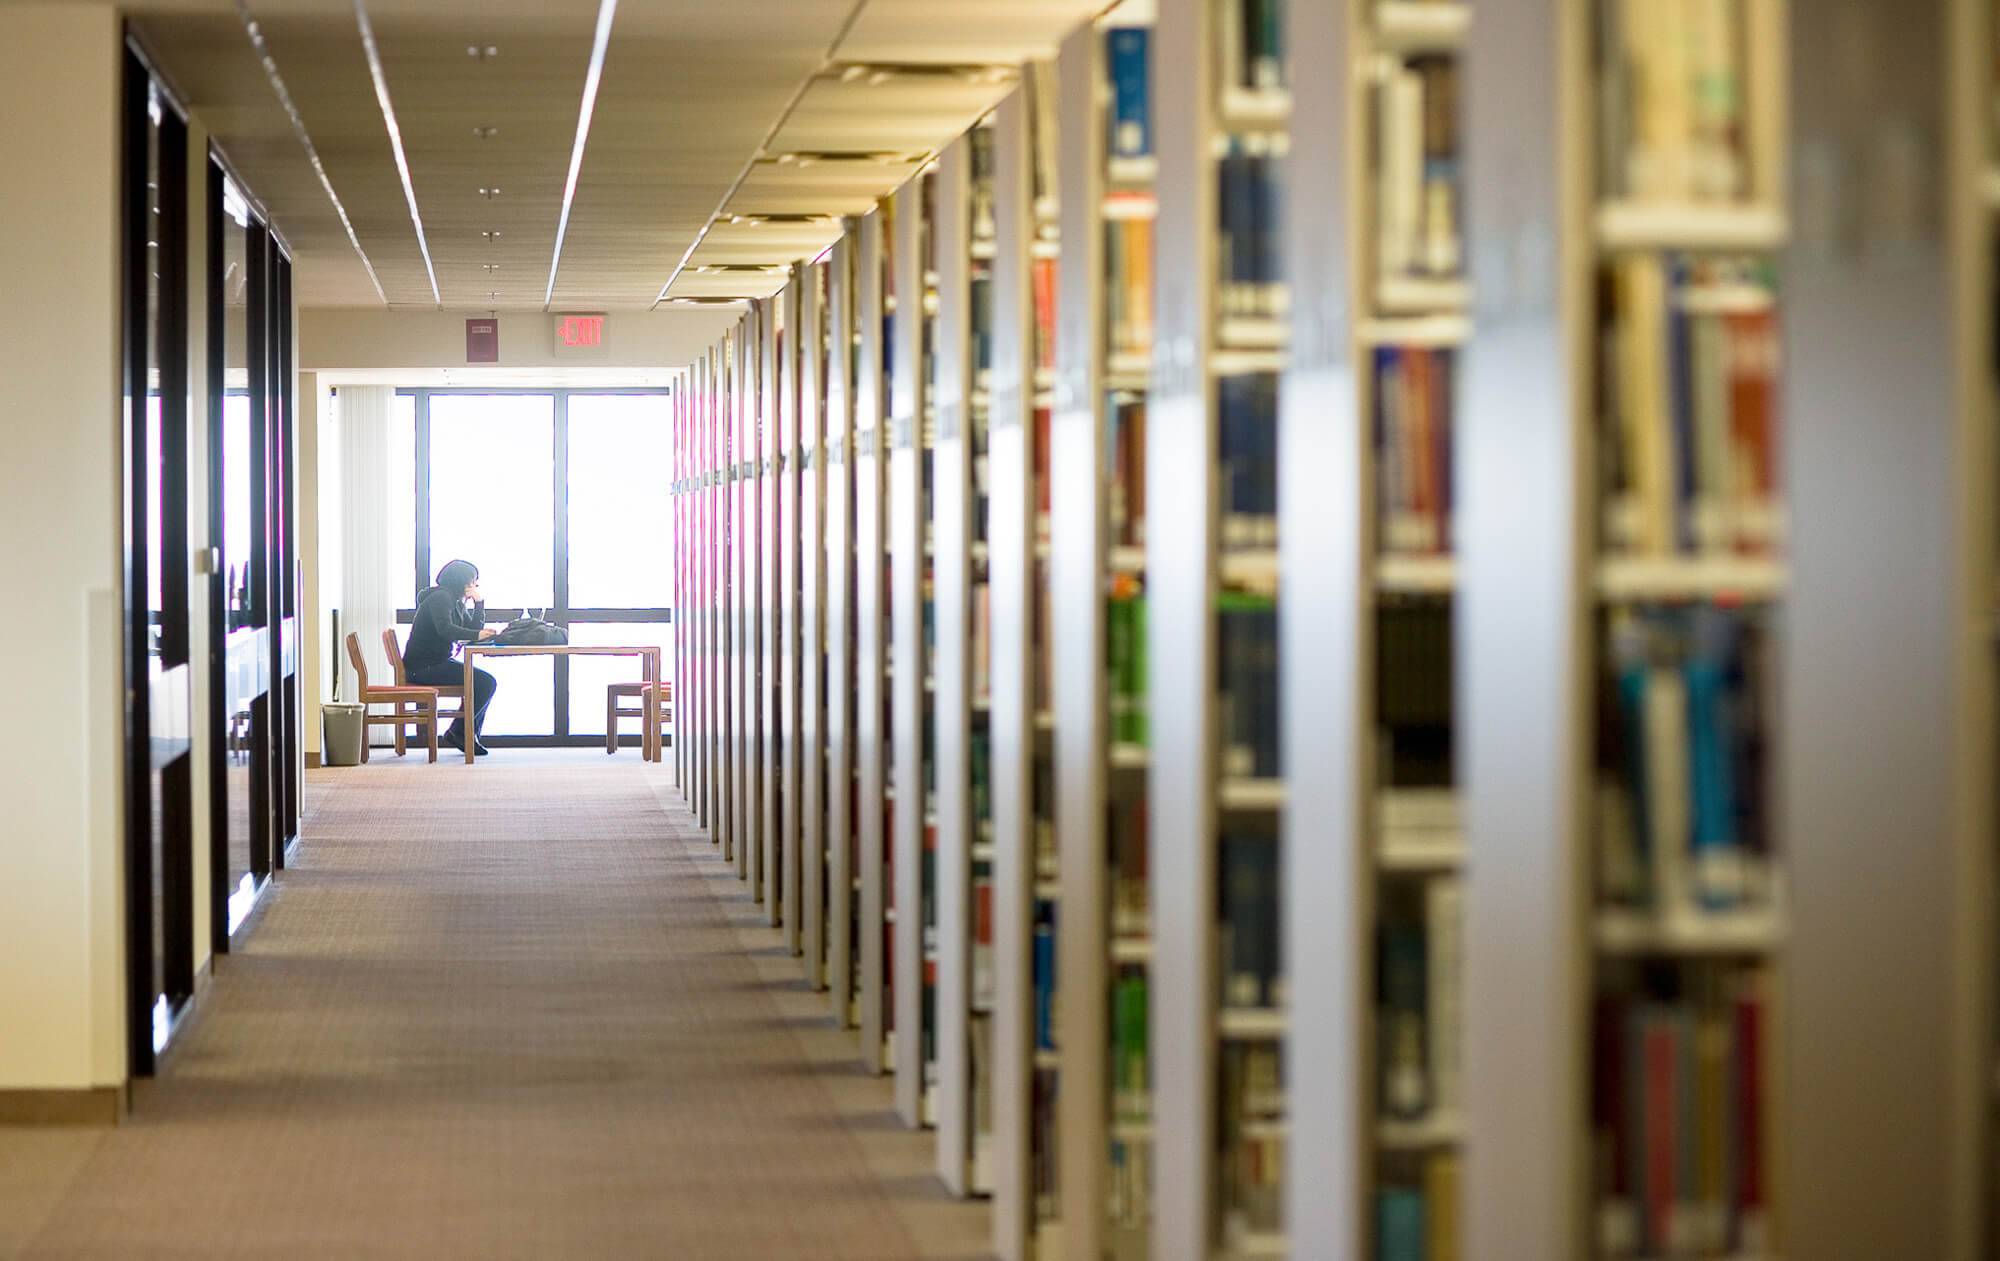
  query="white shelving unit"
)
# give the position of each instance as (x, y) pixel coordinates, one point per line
(1217, 1009)
(811, 830)
(908, 518)
(872, 662)
(838, 584)
(964, 1033)
(1097, 533)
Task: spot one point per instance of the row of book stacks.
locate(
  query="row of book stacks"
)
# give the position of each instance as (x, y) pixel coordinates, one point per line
(1211, 910)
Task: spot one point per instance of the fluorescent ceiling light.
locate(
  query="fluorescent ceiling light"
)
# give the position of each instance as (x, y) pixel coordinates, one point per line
(284, 96)
(395, 140)
(606, 9)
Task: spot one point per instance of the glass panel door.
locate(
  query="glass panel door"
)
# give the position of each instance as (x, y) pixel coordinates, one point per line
(239, 451)
(159, 768)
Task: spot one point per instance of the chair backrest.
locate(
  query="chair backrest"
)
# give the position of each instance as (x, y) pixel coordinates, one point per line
(394, 652)
(360, 662)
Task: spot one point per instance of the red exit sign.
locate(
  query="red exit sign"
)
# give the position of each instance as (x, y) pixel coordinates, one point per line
(578, 336)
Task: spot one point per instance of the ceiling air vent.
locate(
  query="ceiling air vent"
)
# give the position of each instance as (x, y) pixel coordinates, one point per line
(852, 157)
(875, 73)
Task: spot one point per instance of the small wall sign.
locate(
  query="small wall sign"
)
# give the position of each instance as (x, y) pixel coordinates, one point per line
(482, 340)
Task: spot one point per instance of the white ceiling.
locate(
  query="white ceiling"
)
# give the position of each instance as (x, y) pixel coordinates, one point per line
(708, 109)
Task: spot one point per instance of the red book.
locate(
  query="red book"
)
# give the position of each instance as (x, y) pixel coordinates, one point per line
(982, 917)
(1660, 1116)
(1749, 1075)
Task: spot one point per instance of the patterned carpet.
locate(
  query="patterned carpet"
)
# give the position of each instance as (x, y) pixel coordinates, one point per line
(514, 1010)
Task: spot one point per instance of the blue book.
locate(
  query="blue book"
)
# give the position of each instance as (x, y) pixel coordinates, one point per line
(1045, 986)
(1129, 50)
(1680, 374)
(1399, 1224)
(1716, 853)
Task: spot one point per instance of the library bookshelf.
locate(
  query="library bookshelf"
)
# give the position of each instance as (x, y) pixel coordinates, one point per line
(784, 884)
(1375, 850)
(875, 794)
(1447, 671)
(1097, 623)
(1025, 1061)
(1216, 795)
(913, 684)
(963, 181)
(811, 829)
(838, 585)
(1622, 560)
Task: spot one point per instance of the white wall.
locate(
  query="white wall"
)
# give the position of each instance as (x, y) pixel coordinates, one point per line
(61, 1020)
(377, 341)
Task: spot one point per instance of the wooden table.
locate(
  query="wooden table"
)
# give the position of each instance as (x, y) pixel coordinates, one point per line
(650, 747)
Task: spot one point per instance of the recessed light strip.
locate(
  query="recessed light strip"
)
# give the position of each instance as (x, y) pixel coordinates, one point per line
(606, 9)
(299, 129)
(376, 73)
(839, 38)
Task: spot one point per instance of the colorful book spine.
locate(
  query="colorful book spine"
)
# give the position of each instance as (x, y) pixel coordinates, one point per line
(1128, 53)
(1677, 1113)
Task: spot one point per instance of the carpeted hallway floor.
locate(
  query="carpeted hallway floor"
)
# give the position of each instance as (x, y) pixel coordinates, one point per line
(514, 1010)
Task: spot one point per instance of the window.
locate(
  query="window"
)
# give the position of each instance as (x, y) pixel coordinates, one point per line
(561, 498)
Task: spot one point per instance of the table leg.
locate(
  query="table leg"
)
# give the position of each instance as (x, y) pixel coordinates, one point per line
(649, 744)
(465, 709)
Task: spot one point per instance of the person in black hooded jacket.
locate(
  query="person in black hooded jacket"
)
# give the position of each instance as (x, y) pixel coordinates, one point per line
(450, 614)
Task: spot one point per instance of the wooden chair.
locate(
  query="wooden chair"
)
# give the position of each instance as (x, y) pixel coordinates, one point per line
(393, 650)
(641, 694)
(424, 699)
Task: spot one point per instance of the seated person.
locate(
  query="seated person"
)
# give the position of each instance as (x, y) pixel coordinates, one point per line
(450, 614)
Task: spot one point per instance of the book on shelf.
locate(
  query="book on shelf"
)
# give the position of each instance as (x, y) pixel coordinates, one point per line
(1247, 708)
(1249, 245)
(1403, 1090)
(1125, 627)
(1689, 400)
(1129, 1183)
(1131, 1058)
(1128, 59)
(1419, 997)
(1416, 1216)
(1417, 230)
(1252, 1139)
(1042, 281)
(983, 974)
(1044, 94)
(1413, 447)
(1683, 818)
(1253, 45)
(1044, 975)
(1252, 963)
(1430, 811)
(1131, 914)
(1128, 288)
(1444, 918)
(1247, 445)
(1127, 442)
(1043, 1115)
(982, 641)
(1677, 1115)
(981, 1029)
(1673, 100)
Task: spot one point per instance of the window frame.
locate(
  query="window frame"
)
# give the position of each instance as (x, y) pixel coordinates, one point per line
(560, 612)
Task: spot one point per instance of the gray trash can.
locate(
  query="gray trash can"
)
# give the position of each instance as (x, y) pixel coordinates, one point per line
(342, 730)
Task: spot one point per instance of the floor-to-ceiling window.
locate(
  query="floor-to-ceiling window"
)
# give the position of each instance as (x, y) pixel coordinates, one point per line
(559, 497)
